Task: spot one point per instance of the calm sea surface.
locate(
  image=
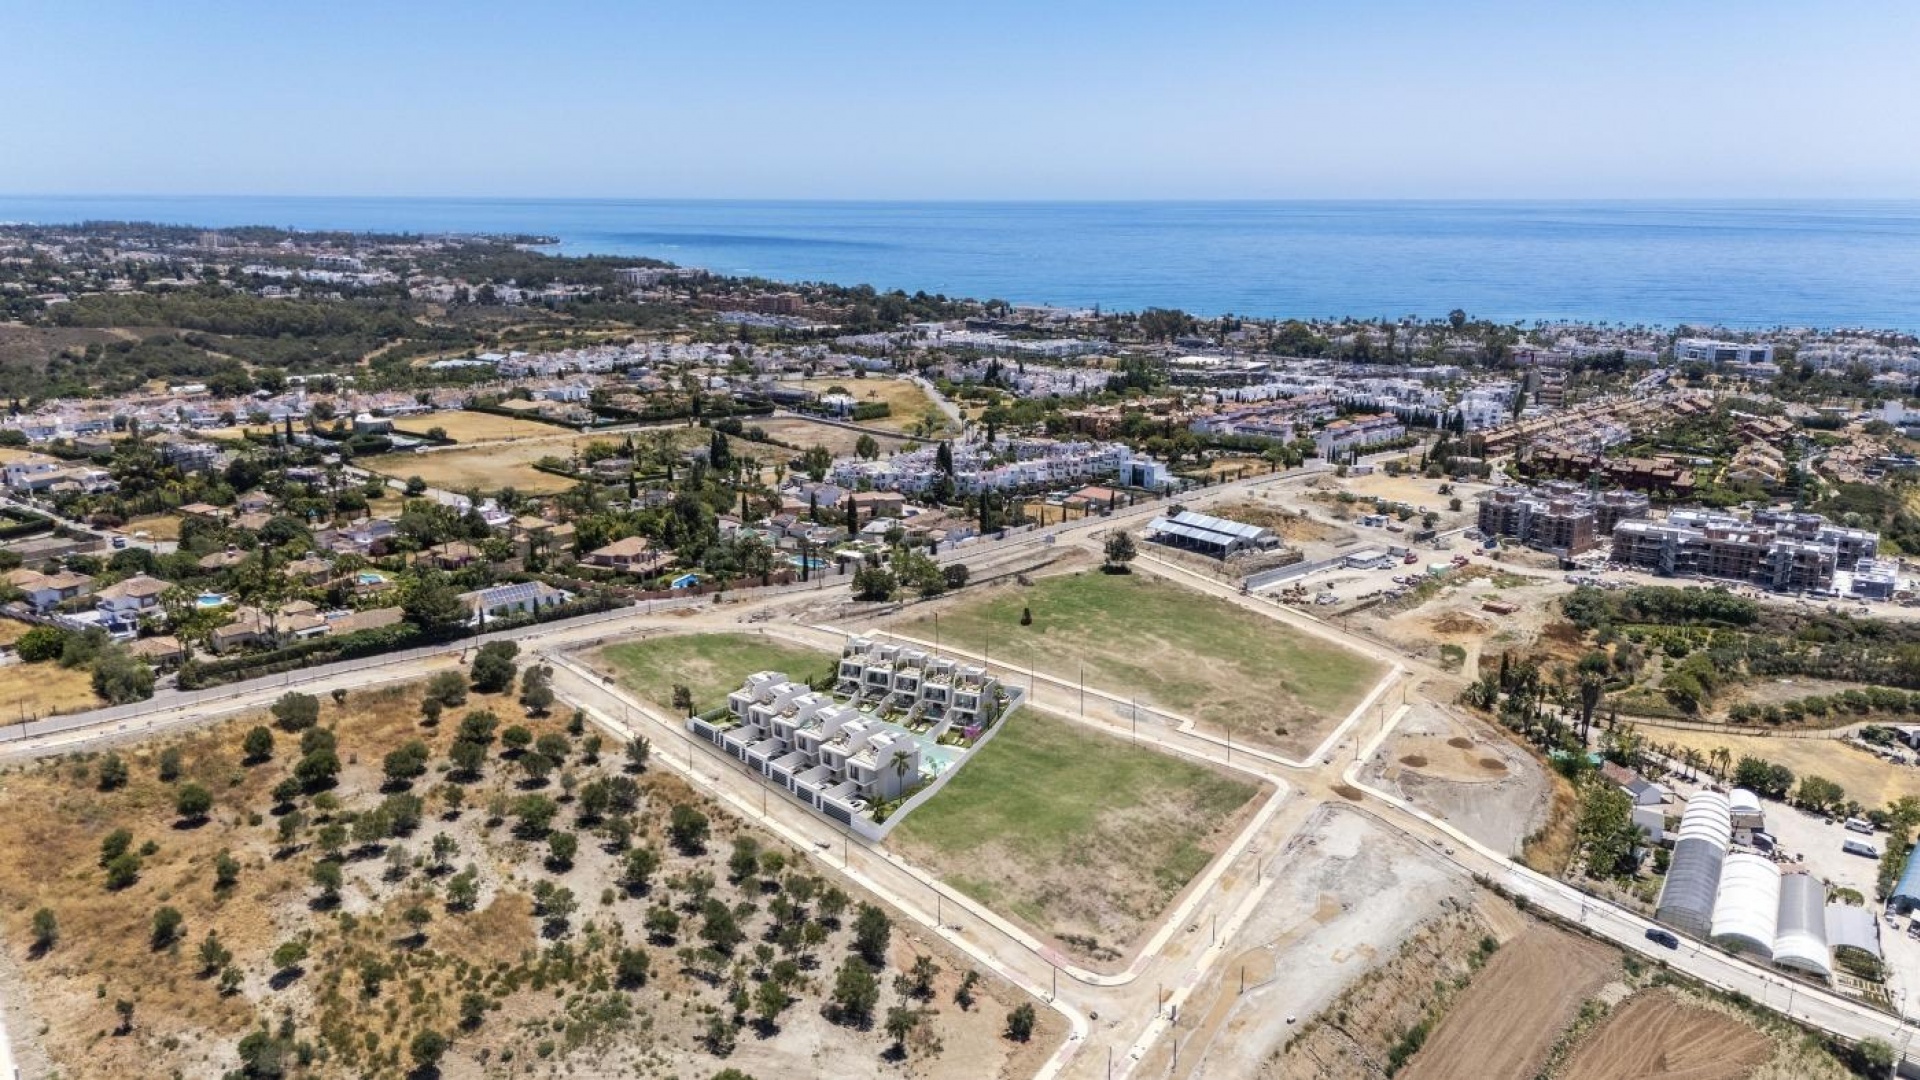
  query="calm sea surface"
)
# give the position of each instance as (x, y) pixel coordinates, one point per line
(1744, 264)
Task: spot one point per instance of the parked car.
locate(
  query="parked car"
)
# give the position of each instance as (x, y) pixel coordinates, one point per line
(1855, 847)
(1663, 937)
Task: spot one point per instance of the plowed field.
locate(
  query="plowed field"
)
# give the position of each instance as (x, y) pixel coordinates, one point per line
(1512, 1014)
(1654, 1036)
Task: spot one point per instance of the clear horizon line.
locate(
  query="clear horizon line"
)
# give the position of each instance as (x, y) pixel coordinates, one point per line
(989, 200)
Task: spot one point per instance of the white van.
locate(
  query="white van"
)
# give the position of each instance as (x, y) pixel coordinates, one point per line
(1859, 825)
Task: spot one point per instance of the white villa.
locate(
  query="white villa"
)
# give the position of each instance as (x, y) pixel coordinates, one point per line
(875, 739)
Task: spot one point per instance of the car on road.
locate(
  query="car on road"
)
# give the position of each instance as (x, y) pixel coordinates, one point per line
(1663, 937)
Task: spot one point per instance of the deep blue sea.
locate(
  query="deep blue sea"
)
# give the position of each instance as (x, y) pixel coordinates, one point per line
(1738, 264)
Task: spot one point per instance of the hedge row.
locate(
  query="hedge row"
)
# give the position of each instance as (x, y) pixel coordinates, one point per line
(324, 650)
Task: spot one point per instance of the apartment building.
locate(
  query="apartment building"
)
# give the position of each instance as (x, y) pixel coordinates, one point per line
(871, 741)
(1562, 518)
(1800, 553)
(1720, 352)
(1358, 432)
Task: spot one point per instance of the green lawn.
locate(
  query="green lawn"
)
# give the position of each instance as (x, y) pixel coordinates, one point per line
(1171, 647)
(711, 665)
(1084, 837)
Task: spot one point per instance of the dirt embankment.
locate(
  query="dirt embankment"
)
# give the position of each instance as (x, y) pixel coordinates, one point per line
(1657, 1036)
(1355, 1035)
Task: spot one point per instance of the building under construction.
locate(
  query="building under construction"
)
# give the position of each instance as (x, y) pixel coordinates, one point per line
(1562, 518)
(1785, 553)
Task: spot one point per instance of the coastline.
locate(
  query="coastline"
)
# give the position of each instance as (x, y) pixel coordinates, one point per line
(1742, 265)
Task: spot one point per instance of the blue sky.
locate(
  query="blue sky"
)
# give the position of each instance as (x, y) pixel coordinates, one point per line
(983, 100)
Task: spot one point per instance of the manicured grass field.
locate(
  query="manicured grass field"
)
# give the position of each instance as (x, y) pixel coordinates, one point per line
(1172, 647)
(711, 665)
(1080, 835)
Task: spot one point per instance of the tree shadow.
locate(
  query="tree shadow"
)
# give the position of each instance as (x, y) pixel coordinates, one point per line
(286, 977)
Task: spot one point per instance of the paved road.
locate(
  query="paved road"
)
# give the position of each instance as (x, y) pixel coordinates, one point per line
(1114, 1018)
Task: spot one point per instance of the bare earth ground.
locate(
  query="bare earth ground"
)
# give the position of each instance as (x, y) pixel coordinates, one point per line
(542, 992)
(1511, 1014)
(805, 433)
(1354, 1035)
(467, 427)
(1416, 491)
(1873, 781)
(1317, 539)
(1656, 1036)
(1457, 767)
(1345, 895)
(1457, 616)
(30, 690)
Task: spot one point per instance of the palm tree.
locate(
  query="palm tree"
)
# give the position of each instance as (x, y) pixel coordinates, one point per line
(900, 767)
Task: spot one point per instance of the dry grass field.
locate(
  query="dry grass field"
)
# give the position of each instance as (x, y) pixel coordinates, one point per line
(1081, 836)
(469, 427)
(156, 526)
(805, 433)
(1656, 1036)
(490, 467)
(1873, 781)
(907, 402)
(457, 912)
(1512, 1013)
(30, 690)
(1205, 657)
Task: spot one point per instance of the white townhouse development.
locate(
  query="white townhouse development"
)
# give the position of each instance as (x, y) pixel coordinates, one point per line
(898, 721)
(1004, 465)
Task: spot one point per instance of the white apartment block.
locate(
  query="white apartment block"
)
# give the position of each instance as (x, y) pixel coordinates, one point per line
(1721, 352)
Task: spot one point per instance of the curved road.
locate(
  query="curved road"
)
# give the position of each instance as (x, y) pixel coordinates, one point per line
(1114, 1018)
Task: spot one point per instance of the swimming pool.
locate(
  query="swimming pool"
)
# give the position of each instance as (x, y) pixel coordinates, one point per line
(210, 600)
(685, 581)
(370, 577)
(936, 759)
